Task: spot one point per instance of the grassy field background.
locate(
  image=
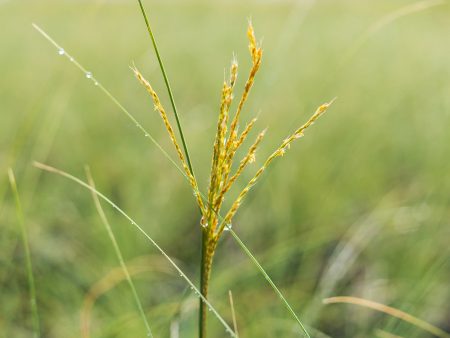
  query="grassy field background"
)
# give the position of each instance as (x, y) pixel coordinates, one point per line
(358, 207)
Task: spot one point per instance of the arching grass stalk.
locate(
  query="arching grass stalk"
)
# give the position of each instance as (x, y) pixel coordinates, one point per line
(112, 237)
(141, 230)
(29, 267)
(389, 18)
(436, 331)
(99, 85)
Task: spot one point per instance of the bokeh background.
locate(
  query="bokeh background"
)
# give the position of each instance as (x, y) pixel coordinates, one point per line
(358, 207)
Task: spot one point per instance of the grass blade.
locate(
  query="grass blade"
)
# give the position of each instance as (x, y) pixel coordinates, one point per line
(118, 252)
(29, 267)
(233, 314)
(385, 334)
(137, 226)
(390, 311)
(270, 281)
(388, 19)
(105, 91)
(166, 81)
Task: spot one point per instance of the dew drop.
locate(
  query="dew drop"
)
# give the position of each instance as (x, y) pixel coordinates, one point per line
(203, 221)
(61, 51)
(228, 227)
(146, 135)
(71, 59)
(96, 83)
(89, 75)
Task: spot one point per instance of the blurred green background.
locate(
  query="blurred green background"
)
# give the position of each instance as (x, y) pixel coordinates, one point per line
(359, 207)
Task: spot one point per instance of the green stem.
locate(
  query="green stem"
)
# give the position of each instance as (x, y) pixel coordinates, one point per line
(204, 273)
(169, 90)
(208, 249)
(202, 313)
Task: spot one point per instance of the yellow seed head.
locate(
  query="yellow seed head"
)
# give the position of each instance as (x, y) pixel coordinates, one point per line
(158, 107)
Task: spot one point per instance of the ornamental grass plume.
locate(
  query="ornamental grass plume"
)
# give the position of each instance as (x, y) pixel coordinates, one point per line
(227, 142)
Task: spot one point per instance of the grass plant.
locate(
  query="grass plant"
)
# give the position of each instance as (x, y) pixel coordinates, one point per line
(224, 151)
(217, 210)
(227, 142)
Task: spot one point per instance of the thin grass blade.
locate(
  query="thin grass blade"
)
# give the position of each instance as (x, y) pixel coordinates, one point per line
(166, 81)
(270, 281)
(29, 267)
(105, 91)
(390, 311)
(119, 255)
(233, 314)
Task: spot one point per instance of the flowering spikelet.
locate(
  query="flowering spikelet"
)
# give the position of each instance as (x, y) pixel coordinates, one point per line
(158, 107)
(256, 54)
(278, 152)
(233, 147)
(245, 133)
(219, 152)
(249, 158)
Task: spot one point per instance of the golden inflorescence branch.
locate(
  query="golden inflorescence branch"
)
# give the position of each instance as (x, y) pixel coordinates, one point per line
(227, 142)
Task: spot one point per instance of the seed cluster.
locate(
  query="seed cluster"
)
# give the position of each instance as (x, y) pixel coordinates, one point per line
(227, 142)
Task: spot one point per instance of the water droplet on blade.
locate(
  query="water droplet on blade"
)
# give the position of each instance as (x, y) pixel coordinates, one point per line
(89, 75)
(61, 51)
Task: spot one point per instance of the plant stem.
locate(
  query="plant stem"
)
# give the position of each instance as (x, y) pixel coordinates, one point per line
(206, 259)
(208, 248)
(203, 289)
